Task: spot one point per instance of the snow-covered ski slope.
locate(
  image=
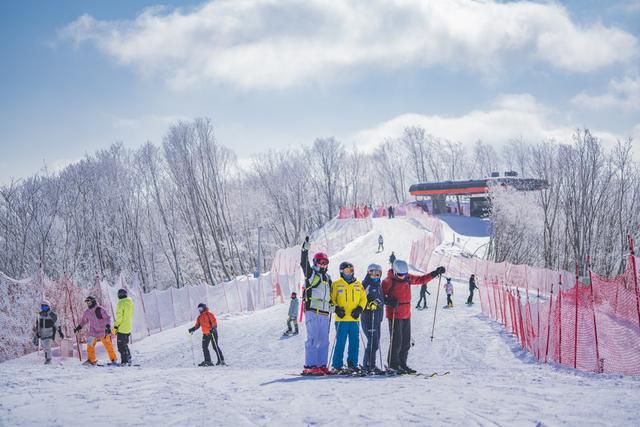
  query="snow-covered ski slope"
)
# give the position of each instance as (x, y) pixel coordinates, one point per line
(492, 382)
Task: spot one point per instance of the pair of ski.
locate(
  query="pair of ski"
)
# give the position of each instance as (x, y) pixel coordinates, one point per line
(381, 374)
(103, 365)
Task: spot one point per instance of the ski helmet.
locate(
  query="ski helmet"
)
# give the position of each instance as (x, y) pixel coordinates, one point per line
(320, 258)
(122, 293)
(202, 307)
(400, 268)
(91, 300)
(45, 306)
(374, 267)
(345, 265)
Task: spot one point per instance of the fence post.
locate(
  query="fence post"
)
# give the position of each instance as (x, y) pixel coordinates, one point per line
(560, 320)
(575, 333)
(523, 337)
(593, 308)
(73, 316)
(635, 275)
(144, 310)
(538, 319)
(546, 352)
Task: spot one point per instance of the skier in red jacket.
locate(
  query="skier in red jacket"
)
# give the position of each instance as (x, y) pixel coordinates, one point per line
(207, 321)
(397, 295)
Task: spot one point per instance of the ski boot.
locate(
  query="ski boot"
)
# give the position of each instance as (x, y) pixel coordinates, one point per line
(407, 370)
(221, 363)
(113, 363)
(47, 361)
(205, 363)
(89, 363)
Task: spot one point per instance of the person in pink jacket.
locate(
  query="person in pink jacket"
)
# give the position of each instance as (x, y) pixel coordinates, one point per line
(99, 323)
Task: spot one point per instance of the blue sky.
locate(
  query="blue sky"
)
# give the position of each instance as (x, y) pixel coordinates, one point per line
(77, 76)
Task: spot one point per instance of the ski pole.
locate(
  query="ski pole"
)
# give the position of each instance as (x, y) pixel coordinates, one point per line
(335, 338)
(193, 355)
(435, 310)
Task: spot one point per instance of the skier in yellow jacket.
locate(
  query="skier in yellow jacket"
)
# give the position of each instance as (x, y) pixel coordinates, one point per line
(349, 299)
(124, 325)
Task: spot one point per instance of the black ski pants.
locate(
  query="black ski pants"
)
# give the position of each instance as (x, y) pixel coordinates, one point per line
(123, 347)
(423, 297)
(470, 299)
(400, 331)
(213, 339)
(371, 322)
(449, 300)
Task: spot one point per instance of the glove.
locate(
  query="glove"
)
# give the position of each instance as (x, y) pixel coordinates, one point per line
(77, 329)
(340, 312)
(306, 245)
(437, 272)
(428, 293)
(372, 306)
(60, 333)
(192, 330)
(107, 331)
(356, 312)
(115, 330)
(393, 303)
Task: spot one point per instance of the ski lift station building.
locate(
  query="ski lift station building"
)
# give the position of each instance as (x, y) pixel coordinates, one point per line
(472, 195)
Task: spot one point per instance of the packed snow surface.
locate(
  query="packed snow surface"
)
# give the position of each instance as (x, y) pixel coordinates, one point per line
(491, 381)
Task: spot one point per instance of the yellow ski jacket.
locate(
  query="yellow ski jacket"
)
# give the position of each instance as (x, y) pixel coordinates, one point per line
(124, 315)
(348, 296)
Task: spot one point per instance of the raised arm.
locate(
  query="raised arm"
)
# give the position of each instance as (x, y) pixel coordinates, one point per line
(304, 259)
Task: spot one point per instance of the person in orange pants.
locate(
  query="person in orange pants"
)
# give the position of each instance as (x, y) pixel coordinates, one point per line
(108, 345)
(99, 323)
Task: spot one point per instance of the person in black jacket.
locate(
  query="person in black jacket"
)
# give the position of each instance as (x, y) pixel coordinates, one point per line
(472, 287)
(371, 318)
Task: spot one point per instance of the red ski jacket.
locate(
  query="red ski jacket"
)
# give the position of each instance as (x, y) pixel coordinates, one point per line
(207, 321)
(400, 290)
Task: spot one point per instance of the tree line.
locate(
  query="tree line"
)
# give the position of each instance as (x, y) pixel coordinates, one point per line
(186, 210)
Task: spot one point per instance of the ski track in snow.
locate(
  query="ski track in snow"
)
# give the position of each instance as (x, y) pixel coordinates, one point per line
(492, 381)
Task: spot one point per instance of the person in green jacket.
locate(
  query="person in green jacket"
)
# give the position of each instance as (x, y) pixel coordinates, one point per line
(123, 325)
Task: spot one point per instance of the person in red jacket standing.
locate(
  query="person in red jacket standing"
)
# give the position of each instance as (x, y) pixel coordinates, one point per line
(207, 321)
(397, 295)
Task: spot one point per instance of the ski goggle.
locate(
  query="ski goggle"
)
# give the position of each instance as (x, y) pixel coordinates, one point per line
(323, 262)
(375, 273)
(44, 307)
(347, 270)
(401, 275)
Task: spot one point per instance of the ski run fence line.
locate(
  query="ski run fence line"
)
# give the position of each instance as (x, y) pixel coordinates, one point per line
(155, 311)
(591, 324)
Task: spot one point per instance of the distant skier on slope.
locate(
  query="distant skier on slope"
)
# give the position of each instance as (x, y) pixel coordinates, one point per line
(349, 298)
(397, 295)
(472, 287)
(449, 288)
(317, 309)
(423, 297)
(99, 323)
(371, 319)
(380, 243)
(293, 315)
(207, 321)
(392, 258)
(123, 326)
(45, 329)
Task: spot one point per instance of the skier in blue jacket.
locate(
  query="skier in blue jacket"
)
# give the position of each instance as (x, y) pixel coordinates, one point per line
(372, 316)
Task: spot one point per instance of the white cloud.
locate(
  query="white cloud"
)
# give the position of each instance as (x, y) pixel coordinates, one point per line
(511, 116)
(269, 44)
(621, 94)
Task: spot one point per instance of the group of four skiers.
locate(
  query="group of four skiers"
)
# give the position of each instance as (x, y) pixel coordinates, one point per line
(356, 304)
